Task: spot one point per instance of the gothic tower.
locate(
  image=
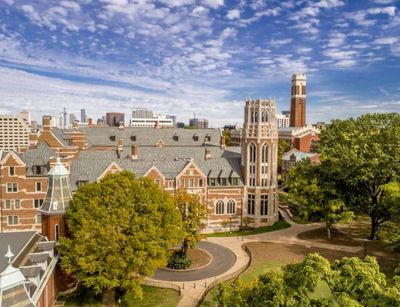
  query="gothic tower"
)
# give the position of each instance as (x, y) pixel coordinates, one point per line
(56, 203)
(259, 162)
(298, 101)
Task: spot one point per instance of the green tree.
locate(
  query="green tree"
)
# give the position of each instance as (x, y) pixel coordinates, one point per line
(227, 136)
(120, 229)
(363, 155)
(391, 203)
(312, 187)
(193, 214)
(283, 146)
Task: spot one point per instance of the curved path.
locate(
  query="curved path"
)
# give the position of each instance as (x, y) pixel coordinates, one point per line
(222, 260)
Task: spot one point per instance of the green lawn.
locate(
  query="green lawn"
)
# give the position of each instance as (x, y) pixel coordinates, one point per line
(152, 297)
(277, 226)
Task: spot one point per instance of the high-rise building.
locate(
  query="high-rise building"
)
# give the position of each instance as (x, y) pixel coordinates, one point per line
(64, 118)
(72, 118)
(14, 133)
(26, 116)
(114, 119)
(282, 120)
(259, 161)
(198, 123)
(83, 116)
(298, 101)
(142, 117)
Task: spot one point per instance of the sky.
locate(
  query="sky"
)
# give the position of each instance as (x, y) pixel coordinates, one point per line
(202, 57)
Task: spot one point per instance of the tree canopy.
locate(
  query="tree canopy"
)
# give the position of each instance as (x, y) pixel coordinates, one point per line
(351, 281)
(363, 155)
(312, 187)
(193, 214)
(120, 229)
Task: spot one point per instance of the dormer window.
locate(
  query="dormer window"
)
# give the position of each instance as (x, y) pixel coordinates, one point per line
(112, 138)
(195, 137)
(38, 169)
(208, 138)
(11, 171)
(80, 183)
(133, 138)
(175, 137)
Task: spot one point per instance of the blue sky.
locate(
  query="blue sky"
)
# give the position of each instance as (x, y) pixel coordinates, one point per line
(204, 57)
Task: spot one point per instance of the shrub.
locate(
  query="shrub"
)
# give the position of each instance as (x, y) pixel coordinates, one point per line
(179, 261)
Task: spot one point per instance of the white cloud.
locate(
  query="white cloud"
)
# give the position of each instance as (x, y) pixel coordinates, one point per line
(213, 3)
(383, 1)
(71, 5)
(389, 10)
(386, 40)
(279, 42)
(328, 4)
(177, 3)
(233, 14)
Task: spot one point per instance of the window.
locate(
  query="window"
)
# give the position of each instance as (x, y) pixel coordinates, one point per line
(195, 137)
(8, 204)
(38, 219)
(158, 182)
(212, 181)
(12, 187)
(133, 138)
(191, 183)
(175, 137)
(112, 138)
(231, 208)
(11, 171)
(235, 181)
(37, 169)
(38, 186)
(37, 203)
(219, 207)
(223, 181)
(181, 183)
(13, 220)
(252, 153)
(264, 165)
(80, 183)
(17, 204)
(200, 182)
(208, 138)
(264, 204)
(251, 204)
(56, 232)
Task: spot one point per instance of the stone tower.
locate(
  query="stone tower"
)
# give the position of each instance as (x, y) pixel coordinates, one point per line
(298, 101)
(56, 203)
(259, 162)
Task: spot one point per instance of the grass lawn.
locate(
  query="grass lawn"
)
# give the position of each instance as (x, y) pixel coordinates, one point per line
(154, 297)
(277, 226)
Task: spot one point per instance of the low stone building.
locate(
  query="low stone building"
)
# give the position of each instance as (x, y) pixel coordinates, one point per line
(290, 158)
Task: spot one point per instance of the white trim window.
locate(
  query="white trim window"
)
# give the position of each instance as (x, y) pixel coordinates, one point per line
(251, 204)
(231, 207)
(13, 220)
(264, 165)
(38, 186)
(252, 164)
(11, 171)
(219, 207)
(264, 204)
(12, 187)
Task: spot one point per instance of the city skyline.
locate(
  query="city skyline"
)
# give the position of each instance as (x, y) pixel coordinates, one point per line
(203, 57)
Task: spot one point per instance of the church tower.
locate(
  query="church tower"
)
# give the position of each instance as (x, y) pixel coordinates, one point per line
(56, 203)
(298, 101)
(259, 162)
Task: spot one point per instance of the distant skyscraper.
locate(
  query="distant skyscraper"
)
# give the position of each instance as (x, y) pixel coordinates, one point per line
(72, 118)
(298, 101)
(113, 119)
(64, 114)
(142, 117)
(26, 116)
(142, 113)
(83, 116)
(14, 132)
(198, 123)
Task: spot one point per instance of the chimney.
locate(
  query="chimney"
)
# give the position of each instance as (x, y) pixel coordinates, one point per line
(75, 124)
(120, 145)
(222, 141)
(90, 122)
(134, 154)
(46, 122)
(207, 154)
(121, 126)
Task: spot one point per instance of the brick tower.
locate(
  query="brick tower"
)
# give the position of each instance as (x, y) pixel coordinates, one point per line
(259, 162)
(298, 101)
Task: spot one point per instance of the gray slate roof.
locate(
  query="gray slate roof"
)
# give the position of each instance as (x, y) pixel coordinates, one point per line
(17, 241)
(37, 156)
(168, 160)
(144, 136)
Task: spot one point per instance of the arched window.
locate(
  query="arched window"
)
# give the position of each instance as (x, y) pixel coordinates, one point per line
(252, 153)
(256, 116)
(264, 204)
(265, 117)
(231, 208)
(264, 154)
(264, 165)
(219, 207)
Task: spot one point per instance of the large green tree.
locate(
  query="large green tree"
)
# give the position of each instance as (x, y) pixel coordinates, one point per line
(193, 214)
(120, 229)
(351, 281)
(390, 230)
(363, 155)
(313, 189)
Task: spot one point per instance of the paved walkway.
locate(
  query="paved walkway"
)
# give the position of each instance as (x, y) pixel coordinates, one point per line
(192, 291)
(222, 260)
